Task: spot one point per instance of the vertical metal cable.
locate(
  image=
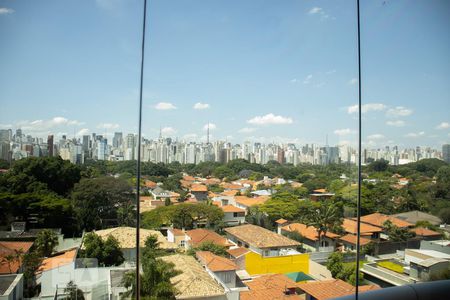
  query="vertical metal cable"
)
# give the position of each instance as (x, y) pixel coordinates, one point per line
(138, 167)
(358, 205)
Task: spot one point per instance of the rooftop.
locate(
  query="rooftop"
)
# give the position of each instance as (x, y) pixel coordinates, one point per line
(350, 226)
(351, 239)
(415, 216)
(127, 237)
(10, 248)
(194, 281)
(421, 231)
(378, 219)
(6, 281)
(247, 201)
(260, 237)
(238, 252)
(201, 235)
(329, 289)
(232, 209)
(269, 287)
(199, 188)
(214, 262)
(308, 232)
(58, 260)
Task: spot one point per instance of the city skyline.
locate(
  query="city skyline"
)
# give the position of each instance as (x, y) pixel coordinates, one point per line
(286, 73)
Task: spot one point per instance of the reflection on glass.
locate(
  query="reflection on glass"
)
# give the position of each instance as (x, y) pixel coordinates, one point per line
(249, 155)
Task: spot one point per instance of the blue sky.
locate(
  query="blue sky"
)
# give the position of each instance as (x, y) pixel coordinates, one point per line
(256, 70)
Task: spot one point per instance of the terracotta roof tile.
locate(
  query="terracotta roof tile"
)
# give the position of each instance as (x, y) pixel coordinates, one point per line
(229, 193)
(237, 252)
(193, 281)
(350, 226)
(378, 219)
(201, 235)
(247, 201)
(281, 221)
(308, 232)
(351, 239)
(10, 248)
(329, 289)
(176, 231)
(269, 287)
(214, 262)
(127, 237)
(58, 260)
(421, 231)
(232, 209)
(260, 237)
(199, 188)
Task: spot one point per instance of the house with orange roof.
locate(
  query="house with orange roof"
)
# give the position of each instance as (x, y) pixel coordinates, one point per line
(233, 215)
(199, 191)
(237, 255)
(270, 287)
(426, 234)
(222, 269)
(150, 184)
(378, 219)
(176, 236)
(320, 194)
(349, 242)
(330, 289)
(245, 202)
(195, 237)
(367, 230)
(310, 236)
(10, 256)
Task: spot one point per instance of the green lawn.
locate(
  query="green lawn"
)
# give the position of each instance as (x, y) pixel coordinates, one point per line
(391, 266)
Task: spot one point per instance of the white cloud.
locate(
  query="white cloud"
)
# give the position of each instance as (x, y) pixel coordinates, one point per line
(443, 125)
(165, 106)
(315, 10)
(200, 105)
(318, 11)
(43, 125)
(398, 111)
(270, 119)
(294, 80)
(6, 11)
(376, 136)
(307, 79)
(108, 126)
(342, 132)
(83, 131)
(168, 131)
(397, 123)
(366, 108)
(353, 81)
(211, 126)
(247, 130)
(6, 126)
(415, 134)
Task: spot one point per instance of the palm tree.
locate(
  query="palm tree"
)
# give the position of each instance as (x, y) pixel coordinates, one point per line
(324, 218)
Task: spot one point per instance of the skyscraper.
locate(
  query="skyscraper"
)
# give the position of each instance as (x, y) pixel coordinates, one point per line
(446, 153)
(50, 145)
(117, 139)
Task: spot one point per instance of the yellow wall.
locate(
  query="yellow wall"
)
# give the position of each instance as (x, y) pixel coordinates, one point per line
(256, 264)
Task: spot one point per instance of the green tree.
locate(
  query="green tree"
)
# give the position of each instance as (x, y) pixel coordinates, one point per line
(97, 199)
(335, 263)
(155, 277)
(107, 252)
(45, 242)
(73, 292)
(209, 246)
(397, 234)
(222, 172)
(30, 265)
(324, 218)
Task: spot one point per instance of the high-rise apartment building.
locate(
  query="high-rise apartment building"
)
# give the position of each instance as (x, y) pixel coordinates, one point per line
(50, 145)
(117, 139)
(446, 153)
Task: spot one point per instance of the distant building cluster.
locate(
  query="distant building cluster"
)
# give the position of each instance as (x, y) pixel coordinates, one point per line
(18, 145)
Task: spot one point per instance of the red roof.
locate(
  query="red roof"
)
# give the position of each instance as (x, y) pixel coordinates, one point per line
(350, 226)
(378, 219)
(12, 248)
(281, 221)
(351, 239)
(232, 209)
(421, 231)
(201, 235)
(308, 232)
(199, 188)
(330, 289)
(214, 262)
(237, 252)
(270, 287)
